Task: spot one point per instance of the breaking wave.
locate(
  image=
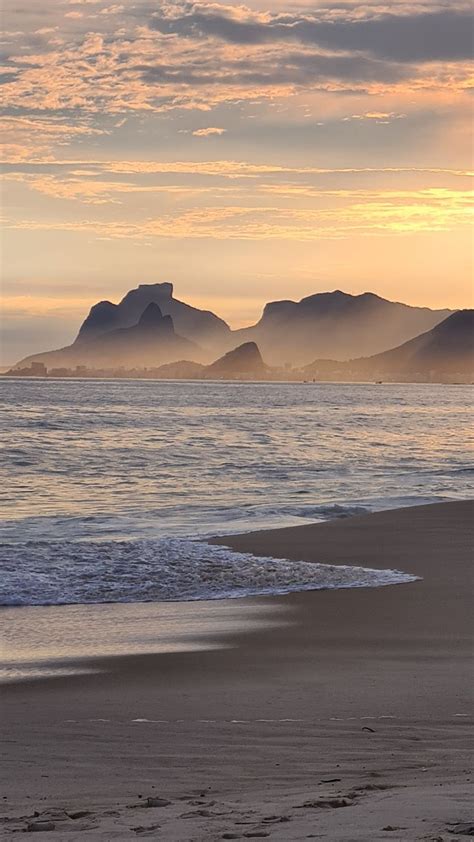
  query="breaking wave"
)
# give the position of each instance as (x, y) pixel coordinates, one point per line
(162, 570)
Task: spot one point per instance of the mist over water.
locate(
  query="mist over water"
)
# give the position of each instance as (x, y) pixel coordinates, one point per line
(151, 463)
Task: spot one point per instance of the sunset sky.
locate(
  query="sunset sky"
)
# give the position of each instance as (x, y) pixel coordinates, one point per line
(246, 153)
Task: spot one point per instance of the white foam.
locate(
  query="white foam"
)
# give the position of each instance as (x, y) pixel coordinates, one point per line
(168, 569)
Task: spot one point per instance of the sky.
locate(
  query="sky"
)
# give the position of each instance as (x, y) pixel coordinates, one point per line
(245, 152)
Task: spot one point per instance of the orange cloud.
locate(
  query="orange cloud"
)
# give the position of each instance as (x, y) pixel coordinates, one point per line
(211, 130)
(380, 213)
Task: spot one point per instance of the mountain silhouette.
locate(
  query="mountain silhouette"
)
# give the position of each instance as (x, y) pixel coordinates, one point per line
(332, 325)
(448, 347)
(151, 342)
(335, 325)
(446, 352)
(199, 326)
(244, 361)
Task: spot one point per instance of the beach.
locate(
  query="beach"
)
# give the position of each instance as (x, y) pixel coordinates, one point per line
(344, 717)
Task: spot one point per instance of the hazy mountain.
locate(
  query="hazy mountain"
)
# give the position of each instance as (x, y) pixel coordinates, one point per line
(151, 342)
(443, 354)
(244, 361)
(180, 370)
(332, 325)
(447, 348)
(106, 318)
(200, 326)
(446, 352)
(335, 325)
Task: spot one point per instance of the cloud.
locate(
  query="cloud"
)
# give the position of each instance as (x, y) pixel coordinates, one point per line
(333, 215)
(199, 56)
(26, 138)
(211, 130)
(272, 70)
(381, 117)
(246, 169)
(85, 186)
(222, 169)
(78, 187)
(444, 35)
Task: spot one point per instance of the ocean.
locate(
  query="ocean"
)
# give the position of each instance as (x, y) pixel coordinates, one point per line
(110, 488)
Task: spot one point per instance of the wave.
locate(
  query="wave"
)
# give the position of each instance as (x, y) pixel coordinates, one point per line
(162, 570)
(328, 511)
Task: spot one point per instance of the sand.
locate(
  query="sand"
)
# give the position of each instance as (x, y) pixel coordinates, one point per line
(346, 719)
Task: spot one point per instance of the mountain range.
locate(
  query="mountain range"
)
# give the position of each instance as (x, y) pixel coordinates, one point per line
(336, 325)
(152, 338)
(446, 352)
(443, 354)
(200, 326)
(150, 327)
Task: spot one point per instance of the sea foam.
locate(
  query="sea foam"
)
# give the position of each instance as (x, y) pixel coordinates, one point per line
(162, 570)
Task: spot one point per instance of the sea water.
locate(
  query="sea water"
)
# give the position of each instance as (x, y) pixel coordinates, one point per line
(110, 488)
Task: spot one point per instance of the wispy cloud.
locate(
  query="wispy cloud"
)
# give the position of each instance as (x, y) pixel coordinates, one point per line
(383, 117)
(208, 132)
(26, 138)
(337, 214)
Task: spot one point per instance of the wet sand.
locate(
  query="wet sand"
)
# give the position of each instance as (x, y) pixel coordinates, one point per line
(346, 719)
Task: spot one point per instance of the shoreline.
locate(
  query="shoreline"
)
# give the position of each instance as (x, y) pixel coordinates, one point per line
(236, 381)
(360, 695)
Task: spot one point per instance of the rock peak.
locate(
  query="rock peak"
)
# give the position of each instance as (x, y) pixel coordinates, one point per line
(151, 316)
(246, 359)
(165, 288)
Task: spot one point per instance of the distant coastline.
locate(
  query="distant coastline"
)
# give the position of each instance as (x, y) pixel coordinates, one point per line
(328, 337)
(275, 377)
